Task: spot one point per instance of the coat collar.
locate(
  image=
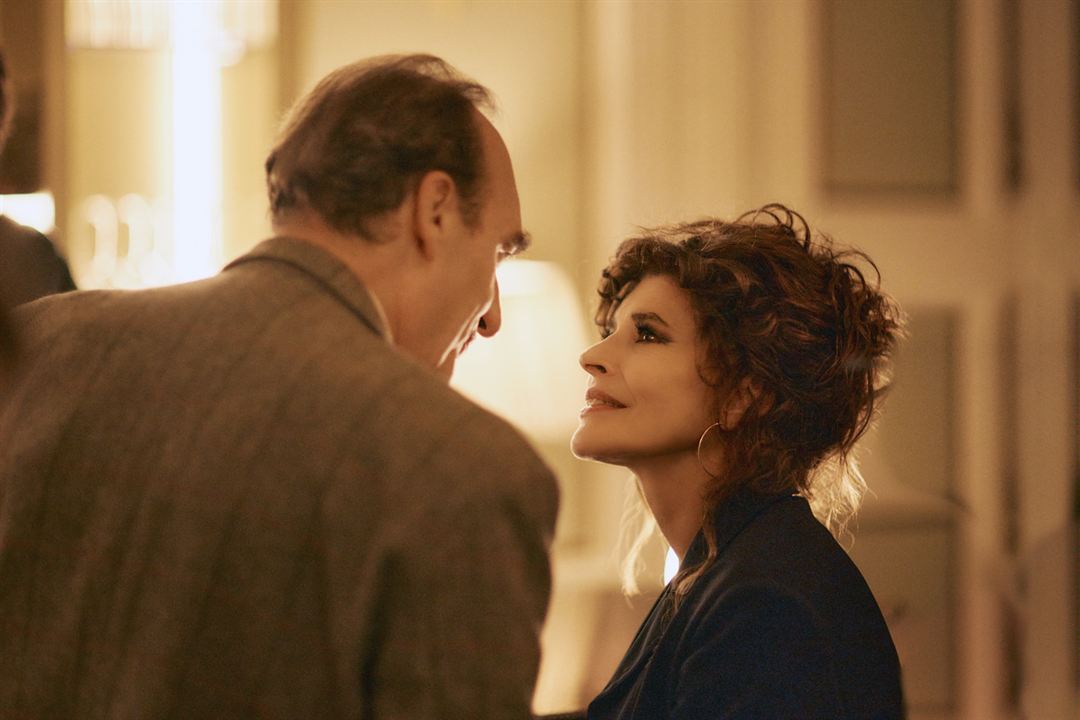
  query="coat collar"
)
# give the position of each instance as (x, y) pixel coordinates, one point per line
(733, 515)
(328, 271)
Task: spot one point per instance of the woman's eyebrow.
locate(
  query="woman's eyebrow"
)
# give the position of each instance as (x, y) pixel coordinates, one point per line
(649, 316)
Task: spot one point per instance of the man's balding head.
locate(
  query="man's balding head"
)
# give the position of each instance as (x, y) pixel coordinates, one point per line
(356, 145)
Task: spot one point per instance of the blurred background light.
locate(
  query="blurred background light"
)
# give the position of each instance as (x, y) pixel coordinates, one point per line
(528, 372)
(196, 141)
(38, 210)
(196, 39)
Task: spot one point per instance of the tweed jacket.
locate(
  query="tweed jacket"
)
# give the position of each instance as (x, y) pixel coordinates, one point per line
(234, 498)
(781, 626)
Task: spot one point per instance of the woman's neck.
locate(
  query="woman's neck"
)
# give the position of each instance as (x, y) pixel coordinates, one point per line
(674, 487)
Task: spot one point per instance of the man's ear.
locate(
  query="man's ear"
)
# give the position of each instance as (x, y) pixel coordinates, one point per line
(742, 397)
(436, 209)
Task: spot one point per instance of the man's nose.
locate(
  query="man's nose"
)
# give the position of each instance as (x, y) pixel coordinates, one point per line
(492, 319)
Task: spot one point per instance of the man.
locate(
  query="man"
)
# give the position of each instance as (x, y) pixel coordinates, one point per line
(255, 495)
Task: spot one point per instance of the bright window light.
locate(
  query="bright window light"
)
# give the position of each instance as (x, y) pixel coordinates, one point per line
(37, 210)
(196, 145)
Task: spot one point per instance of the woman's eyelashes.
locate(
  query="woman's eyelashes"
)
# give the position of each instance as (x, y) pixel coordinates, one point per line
(643, 332)
(647, 334)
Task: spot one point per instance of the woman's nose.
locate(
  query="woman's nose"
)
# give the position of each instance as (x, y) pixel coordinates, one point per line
(590, 360)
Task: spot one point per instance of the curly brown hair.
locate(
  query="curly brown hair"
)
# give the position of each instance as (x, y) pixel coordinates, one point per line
(353, 148)
(782, 308)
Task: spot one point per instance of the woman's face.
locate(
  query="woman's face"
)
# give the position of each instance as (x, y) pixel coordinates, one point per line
(645, 399)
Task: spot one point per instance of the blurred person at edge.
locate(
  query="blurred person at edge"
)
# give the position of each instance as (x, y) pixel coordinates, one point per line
(30, 267)
(255, 495)
(7, 349)
(739, 363)
(29, 264)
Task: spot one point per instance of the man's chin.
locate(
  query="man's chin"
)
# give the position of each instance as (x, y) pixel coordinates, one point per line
(445, 369)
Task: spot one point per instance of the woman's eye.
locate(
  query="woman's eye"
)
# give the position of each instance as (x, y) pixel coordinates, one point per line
(646, 334)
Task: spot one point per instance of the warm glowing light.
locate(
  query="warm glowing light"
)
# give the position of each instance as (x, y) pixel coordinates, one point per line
(99, 214)
(196, 141)
(144, 24)
(528, 373)
(671, 565)
(201, 36)
(116, 23)
(37, 210)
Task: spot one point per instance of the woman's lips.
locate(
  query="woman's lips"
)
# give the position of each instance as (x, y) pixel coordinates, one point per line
(591, 409)
(599, 401)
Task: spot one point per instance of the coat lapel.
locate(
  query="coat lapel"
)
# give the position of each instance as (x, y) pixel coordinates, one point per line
(729, 520)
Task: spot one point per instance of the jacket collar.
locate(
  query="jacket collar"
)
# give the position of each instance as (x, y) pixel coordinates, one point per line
(733, 514)
(332, 274)
(730, 518)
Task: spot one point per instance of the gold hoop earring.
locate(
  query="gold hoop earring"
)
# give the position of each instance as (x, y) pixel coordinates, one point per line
(700, 442)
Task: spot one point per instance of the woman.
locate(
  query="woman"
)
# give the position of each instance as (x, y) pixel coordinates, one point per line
(739, 364)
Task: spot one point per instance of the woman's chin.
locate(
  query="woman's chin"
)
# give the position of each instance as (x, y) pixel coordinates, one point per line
(580, 445)
(585, 448)
(585, 445)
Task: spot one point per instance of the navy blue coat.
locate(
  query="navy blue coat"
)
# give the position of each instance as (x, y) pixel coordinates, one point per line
(781, 625)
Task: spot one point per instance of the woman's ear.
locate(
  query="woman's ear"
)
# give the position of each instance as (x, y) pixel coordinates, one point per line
(742, 397)
(434, 212)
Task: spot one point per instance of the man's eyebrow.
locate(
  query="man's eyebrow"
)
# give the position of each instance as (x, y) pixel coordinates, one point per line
(516, 244)
(647, 316)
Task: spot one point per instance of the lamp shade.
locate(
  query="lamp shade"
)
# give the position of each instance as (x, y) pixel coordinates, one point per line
(528, 373)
